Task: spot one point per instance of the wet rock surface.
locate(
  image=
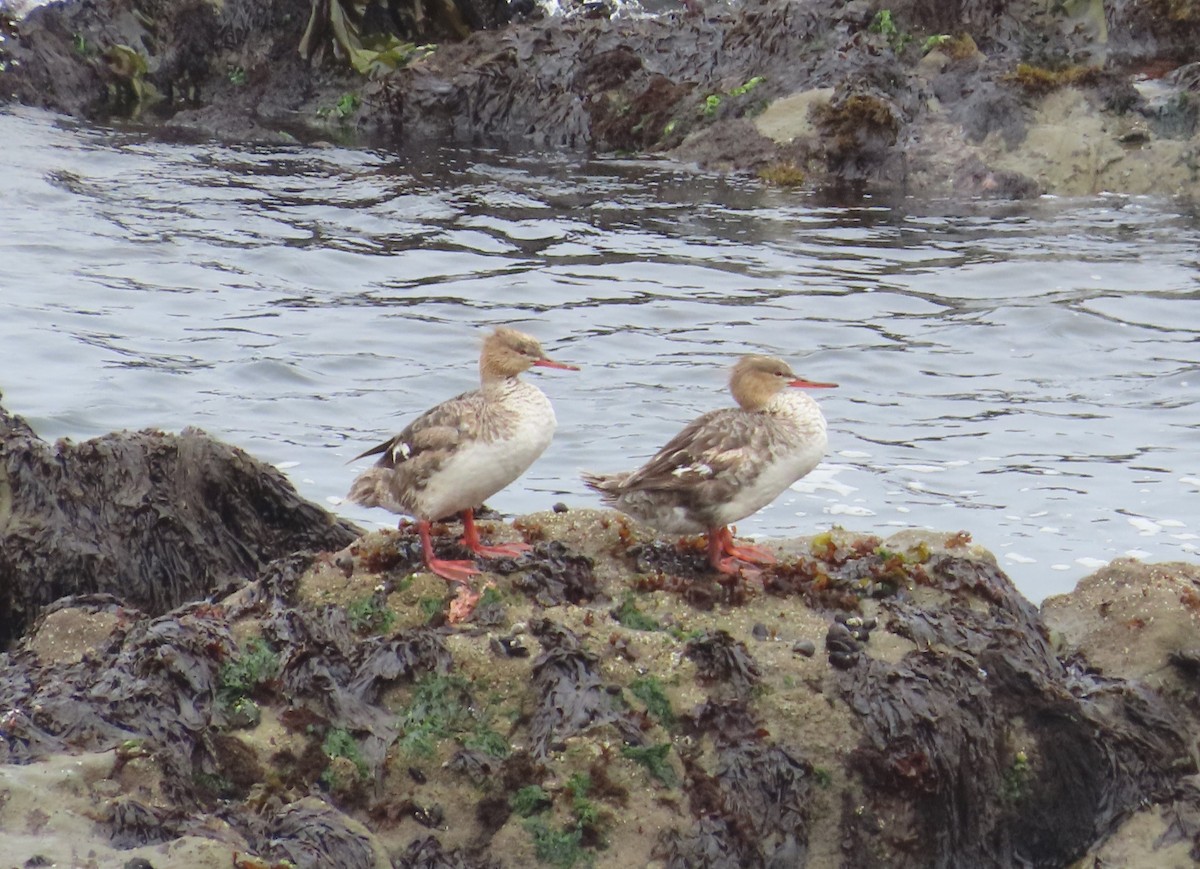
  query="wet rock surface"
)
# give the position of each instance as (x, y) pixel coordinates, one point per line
(595, 710)
(1004, 100)
(154, 519)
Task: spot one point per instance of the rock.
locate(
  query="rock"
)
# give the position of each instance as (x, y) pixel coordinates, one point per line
(949, 724)
(1138, 622)
(325, 713)
(1075, 98)
(789, 118)
(1131, 620)
(153, 519)
(50, 809)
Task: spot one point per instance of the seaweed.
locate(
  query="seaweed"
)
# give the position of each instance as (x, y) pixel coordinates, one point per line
(530, 800)
(157, 519)
(629, 616)
(370, 615)
(756, 798)
(517, 773)
(649, 690)
(552, 575)
(560, 848)
(710, 842)
(427, 853)
(398, 553)
(478, 766)
(443, 706)
(309, 832)
(721, 658)
(842, 572)
(133, 823)
(654, 759)
(937, 732)
(687, 558)
(570, 694)
(253, 668)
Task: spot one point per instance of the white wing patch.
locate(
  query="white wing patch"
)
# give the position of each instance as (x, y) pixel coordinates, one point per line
(699, 469)
(400, 452)
(734, 456)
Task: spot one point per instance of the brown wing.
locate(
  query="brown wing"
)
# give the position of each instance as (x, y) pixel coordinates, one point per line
(437, 430)
(707, 460)
(408, 460)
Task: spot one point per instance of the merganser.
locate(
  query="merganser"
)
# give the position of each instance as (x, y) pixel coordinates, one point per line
(466, 449)
(727, 464)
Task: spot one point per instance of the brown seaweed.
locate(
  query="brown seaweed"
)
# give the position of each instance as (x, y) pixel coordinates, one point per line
(428, 853)
(721, 658)
(156, 519)
(313, 835)
(552, 575)
(571, 698)
(752, 808)
(994, 751)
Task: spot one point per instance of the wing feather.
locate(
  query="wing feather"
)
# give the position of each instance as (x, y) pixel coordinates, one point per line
(408, 461)
(707, 449)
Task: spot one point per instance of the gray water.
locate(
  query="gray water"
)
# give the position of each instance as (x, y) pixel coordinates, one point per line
(1026, 372)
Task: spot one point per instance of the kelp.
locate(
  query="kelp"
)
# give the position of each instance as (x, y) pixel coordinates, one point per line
(380, 36)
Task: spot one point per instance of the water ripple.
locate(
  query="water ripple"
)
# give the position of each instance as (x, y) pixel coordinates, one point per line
(1025, 371)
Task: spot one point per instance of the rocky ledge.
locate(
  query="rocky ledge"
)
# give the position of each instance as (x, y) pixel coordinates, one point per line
(867, 702)
(916, 97)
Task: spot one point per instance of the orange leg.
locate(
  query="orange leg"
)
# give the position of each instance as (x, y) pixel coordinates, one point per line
(470, 539)
(725, 557)
(452, 571)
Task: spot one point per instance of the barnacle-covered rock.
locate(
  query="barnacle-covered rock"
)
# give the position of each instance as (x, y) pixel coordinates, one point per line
(609, 703)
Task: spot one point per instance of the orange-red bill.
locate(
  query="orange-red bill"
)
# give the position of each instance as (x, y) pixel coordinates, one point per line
(811, 384)
(550, 363)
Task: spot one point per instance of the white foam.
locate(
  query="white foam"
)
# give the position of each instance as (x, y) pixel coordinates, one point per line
(1146, 527)
(1092, 563)
(848, 510)
(1018, 558)
(822, 479)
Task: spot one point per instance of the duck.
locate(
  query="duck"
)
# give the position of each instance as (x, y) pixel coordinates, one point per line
(727, 464)
(455, 455)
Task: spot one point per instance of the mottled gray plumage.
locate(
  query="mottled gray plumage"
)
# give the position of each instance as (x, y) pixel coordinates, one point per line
(726, 464)
(461, 427)
(464, 450)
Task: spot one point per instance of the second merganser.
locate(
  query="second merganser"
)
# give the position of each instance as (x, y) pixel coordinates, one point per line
(466, 449)
(727, 464)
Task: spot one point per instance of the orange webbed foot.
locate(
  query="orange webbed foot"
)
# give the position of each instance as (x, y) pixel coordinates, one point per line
(499, 550)
(452, 571)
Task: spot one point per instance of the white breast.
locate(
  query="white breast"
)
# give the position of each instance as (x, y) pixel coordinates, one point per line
(775, 477)
(482, 466)
(795, 448)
